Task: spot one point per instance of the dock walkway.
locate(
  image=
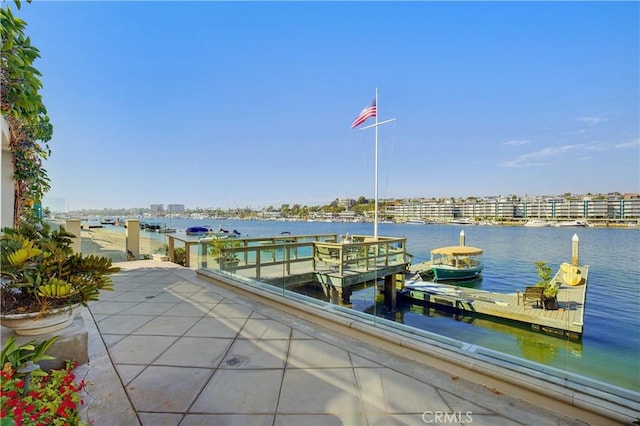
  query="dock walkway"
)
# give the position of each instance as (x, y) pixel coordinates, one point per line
(567, 320)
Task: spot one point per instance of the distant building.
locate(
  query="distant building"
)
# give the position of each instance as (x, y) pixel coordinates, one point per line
(156, 208)
(175, 208)
(346, 202)
(505, 208)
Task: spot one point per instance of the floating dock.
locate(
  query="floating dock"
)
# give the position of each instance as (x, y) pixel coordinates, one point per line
(566, 321)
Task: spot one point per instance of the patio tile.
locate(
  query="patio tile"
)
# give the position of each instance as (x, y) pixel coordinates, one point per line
(297, 334)
(404, 420)
(204, 296)
(165, 297)
(228, 420)
(109, 308)
(148, 308)
(112, 339)
(128, 372)
(122, 324)
(160, 419)
(256, 354)
(358, 361)
(320, 420)
(167, 326)
(498, 420)
(319, 391)
(135, 296)
(457, 403)
(216, 327)
(387, 391)
(240, 392)
(167, 389)
(226, 310)
(264, 329)
(188, 309)
(140, 349)
(316, 354)
(205, 352)
(184, 287)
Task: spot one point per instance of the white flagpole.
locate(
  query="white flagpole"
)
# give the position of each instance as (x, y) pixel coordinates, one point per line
(375, 213)
(376, 124)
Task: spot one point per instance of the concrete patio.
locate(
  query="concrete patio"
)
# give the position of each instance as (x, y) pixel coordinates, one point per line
(168, 347)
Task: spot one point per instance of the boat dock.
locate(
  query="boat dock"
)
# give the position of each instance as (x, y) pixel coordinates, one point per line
(566, 321)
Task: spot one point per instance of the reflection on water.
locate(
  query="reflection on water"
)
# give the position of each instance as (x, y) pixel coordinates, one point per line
(507, 335)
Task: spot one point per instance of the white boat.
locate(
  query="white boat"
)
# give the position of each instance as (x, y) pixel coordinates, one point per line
(416, 222)
(537, 223)
(461, 221)
(574, 223)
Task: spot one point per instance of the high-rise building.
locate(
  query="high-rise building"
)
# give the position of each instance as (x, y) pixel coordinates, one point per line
(175, 208)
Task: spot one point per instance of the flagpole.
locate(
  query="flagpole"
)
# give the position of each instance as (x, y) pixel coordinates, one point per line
(376, 124)
(375, 213)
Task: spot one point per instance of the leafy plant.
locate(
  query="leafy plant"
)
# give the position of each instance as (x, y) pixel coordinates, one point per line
(222, 249)
(40, 271)
(180, 255)
(544, 273)
(25, 113)
(14, 356)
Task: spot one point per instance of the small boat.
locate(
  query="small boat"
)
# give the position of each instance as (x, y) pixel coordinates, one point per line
(456, 263)
(198, 230)
(416, 222)
(461, 221)
(166, 230)
(537, 223)
(574, 223)
(108, 222)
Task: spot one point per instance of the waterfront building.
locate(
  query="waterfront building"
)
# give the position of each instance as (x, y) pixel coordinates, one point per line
(611, 208)
(175, 208)
(156, 208)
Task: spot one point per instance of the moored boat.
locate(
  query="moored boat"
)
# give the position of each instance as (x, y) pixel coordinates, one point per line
(416, 222)
(575, 223)
(461, 221)
(198, 230)
(537, 223)
(456, 263)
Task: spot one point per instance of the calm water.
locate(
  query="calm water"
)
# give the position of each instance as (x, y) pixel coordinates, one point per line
(610, 347)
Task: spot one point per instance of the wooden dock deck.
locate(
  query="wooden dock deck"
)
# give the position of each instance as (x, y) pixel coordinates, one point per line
(567, 320)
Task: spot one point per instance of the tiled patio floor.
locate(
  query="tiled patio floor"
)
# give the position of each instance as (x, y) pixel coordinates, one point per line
(170, 348)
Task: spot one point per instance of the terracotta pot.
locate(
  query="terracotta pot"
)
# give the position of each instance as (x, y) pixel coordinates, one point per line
(35, 323)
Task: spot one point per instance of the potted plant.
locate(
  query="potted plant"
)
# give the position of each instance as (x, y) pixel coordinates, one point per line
(550, 293)
(42, 279)
(221, 249)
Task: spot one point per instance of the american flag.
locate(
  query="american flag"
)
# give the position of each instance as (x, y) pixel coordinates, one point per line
(370, 111)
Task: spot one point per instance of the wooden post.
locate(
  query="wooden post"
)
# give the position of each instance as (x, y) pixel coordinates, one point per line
(461, 238)
(73, 226)
(390, 292)
(133, 238)
(575, 261)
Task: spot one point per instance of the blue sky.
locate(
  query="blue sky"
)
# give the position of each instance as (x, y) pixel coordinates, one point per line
(216, 104)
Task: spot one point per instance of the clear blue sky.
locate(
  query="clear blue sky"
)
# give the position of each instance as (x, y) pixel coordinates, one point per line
(242, 104)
